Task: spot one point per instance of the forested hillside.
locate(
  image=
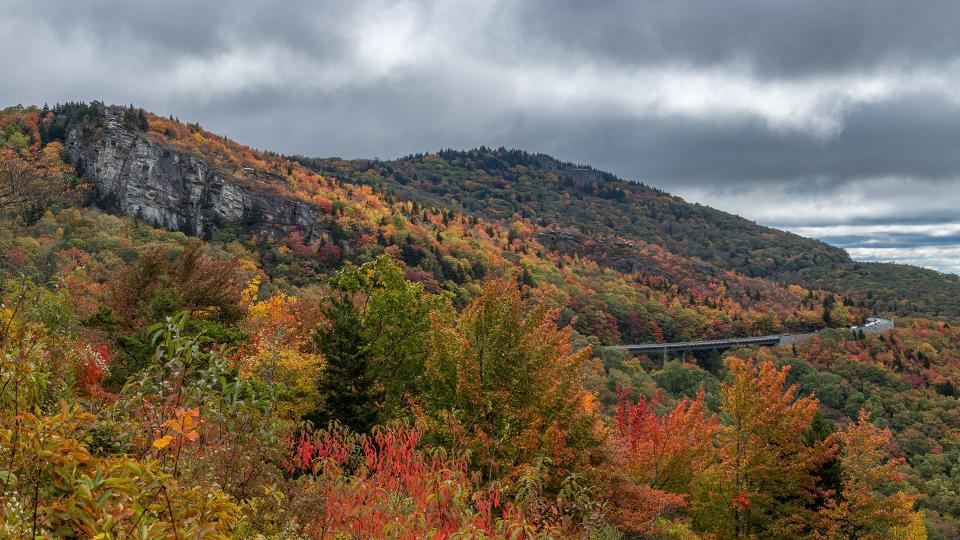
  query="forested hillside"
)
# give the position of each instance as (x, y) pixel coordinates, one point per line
(200, 339)
(505, 184)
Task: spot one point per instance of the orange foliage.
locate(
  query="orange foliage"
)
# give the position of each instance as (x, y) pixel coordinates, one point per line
(660, 454)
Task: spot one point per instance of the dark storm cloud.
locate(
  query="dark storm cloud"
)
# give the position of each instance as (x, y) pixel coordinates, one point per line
(777, 37)
(891, 240)
(175, 27)
(914, 137)
(806, 115)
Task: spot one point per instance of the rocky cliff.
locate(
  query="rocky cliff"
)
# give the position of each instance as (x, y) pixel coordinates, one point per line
(136, 174)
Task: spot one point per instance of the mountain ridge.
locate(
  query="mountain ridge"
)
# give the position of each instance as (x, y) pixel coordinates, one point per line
(509, 182)
(209, 183)
(686, 229)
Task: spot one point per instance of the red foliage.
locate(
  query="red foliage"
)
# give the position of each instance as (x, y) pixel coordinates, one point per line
(296, 243)
(17, 256)
(658, 454)
(329, 254)
(365, 486)
(91, 370)
(324, 204)
(655, 331)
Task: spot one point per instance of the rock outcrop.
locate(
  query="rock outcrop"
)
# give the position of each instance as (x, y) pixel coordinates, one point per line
(136, 174)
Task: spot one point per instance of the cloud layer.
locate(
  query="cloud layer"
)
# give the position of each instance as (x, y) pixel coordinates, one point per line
(805, 115)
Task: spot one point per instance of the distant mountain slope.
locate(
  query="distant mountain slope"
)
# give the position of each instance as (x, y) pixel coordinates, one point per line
(505, 184)
(502, 184)
(892, 288)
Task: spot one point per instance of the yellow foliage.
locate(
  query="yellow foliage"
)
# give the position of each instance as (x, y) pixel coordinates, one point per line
(797, 290)
(250, 292)
(590, 404)
(915, 530)
(184, 426)
(279, 332)
(162, 442)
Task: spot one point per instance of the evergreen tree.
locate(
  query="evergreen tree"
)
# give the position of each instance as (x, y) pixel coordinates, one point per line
(828, 303)
(347, 386)
(374, 343)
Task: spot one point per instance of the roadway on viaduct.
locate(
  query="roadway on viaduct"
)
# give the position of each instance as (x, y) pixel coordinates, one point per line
(874, 325)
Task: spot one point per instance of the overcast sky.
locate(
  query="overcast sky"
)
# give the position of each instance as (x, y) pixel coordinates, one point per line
(835, 119)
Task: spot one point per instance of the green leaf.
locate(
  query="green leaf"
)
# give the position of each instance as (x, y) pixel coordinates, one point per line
(8, 478)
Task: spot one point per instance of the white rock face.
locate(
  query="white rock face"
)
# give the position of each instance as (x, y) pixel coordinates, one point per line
(134, 174)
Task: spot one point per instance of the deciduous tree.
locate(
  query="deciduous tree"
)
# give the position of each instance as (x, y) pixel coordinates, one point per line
(28, 186)
(763, 482)
(873, 502)
(374, 341)
(657, 456)
(504, 382)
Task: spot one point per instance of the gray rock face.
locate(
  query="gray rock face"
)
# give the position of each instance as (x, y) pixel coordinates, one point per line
(136, 175)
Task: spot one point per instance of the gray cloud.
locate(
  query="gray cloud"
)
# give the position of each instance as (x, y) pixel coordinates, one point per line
(781, 38)
(805, 115)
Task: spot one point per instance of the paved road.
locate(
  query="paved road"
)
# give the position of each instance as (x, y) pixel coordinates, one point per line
(874, 325)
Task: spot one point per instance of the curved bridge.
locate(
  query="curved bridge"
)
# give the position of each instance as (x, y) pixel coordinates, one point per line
(710, 344)
(874, 325)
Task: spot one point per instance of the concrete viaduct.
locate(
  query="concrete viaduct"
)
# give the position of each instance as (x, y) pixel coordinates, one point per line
(873, 326)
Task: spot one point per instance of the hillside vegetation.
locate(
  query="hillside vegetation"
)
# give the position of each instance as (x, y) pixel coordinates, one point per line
(506, 184)
(413, 367)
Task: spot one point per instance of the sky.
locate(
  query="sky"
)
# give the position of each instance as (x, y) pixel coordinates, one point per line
(834, 119)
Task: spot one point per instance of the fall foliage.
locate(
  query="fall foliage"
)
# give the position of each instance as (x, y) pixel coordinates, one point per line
(425, 365)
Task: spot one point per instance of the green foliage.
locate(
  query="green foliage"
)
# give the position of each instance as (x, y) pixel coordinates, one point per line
(685, 380)
(374, 342)
(135, 119)
(103, 318)
(504, 382)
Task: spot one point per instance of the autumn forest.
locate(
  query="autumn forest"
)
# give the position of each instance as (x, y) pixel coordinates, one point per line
(199, 339)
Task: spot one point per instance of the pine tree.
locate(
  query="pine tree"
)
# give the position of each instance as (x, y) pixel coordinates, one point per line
(828, 303)
(347, 386)
(374, 343)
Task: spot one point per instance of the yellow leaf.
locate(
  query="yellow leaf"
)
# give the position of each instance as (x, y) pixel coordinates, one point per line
(162, 442)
